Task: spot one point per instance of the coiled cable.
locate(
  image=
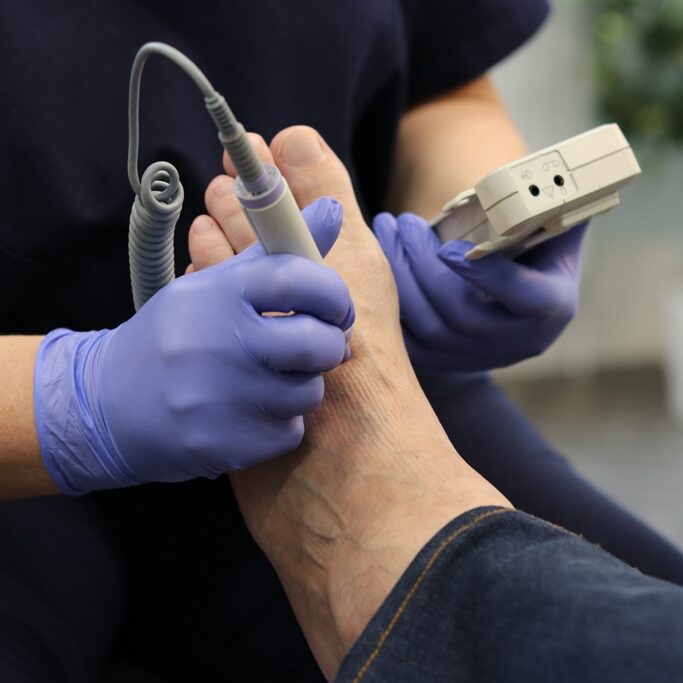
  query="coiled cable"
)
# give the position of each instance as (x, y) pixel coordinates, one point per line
(151, 230)
(159, 194)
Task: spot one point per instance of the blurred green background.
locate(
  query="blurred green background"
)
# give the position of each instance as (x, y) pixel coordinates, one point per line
(638, 62)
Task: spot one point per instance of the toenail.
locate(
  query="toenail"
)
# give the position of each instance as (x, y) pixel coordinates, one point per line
(301, 147)
(222, 187)
(202, 225)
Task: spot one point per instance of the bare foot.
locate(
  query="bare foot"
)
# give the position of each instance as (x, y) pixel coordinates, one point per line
(342, 517)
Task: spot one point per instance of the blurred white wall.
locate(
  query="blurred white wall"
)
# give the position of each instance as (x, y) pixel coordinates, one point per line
(634, 255)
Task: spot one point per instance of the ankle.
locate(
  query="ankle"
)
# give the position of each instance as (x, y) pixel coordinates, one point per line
(342, 517)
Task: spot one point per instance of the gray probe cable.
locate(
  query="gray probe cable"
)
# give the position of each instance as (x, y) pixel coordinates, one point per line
(261, 189)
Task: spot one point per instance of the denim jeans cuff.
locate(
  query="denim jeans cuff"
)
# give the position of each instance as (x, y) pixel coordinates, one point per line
(377, 635)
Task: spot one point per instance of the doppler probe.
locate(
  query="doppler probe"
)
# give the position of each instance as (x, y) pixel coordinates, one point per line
(261, 189)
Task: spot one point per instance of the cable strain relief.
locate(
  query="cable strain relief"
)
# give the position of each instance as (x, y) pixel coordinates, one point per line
(234, 139)
(221, 113)
(247, 163)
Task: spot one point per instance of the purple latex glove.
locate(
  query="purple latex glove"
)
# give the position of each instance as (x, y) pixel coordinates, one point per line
(198, 382)
(477, 315)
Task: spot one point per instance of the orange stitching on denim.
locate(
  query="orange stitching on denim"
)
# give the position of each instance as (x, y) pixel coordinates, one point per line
(416, 585)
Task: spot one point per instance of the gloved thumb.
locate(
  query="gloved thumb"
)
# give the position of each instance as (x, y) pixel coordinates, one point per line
(324, 219)
(520, 289)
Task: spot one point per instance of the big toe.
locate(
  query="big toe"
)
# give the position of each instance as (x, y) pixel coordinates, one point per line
(312, 169)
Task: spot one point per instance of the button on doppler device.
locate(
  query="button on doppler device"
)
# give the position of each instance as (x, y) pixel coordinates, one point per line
(262, 191)
(542, 195)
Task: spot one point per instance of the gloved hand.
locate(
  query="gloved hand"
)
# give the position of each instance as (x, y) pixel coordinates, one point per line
(477, 315)
(197, 382)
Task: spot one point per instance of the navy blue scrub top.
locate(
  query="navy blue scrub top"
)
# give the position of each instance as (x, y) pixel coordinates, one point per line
(350, 69)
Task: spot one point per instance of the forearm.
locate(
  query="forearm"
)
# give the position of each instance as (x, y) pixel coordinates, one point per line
(447, 145)
(21, 468)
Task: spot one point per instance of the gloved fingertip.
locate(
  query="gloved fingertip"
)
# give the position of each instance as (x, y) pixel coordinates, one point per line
(579, 232)
(454, 253)
(251, 252)
(417, 236)
(347, 352)
(349, 319)
(412, 228)
(335, 210)
(410, 233)
(384, 222)
(321, 206)
(324, 218)
(412, 220)
(386, 232)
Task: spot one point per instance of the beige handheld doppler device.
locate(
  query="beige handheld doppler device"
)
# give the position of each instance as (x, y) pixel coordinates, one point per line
(542, 195)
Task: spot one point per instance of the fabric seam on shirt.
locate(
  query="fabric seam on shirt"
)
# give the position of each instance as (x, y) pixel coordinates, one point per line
(418, 582)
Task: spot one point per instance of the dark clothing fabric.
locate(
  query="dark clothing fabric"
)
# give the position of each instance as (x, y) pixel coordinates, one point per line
(499, 442)
(173, 566)
(347, 68)
(200, 599)
(60, 590)
(501, 596)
